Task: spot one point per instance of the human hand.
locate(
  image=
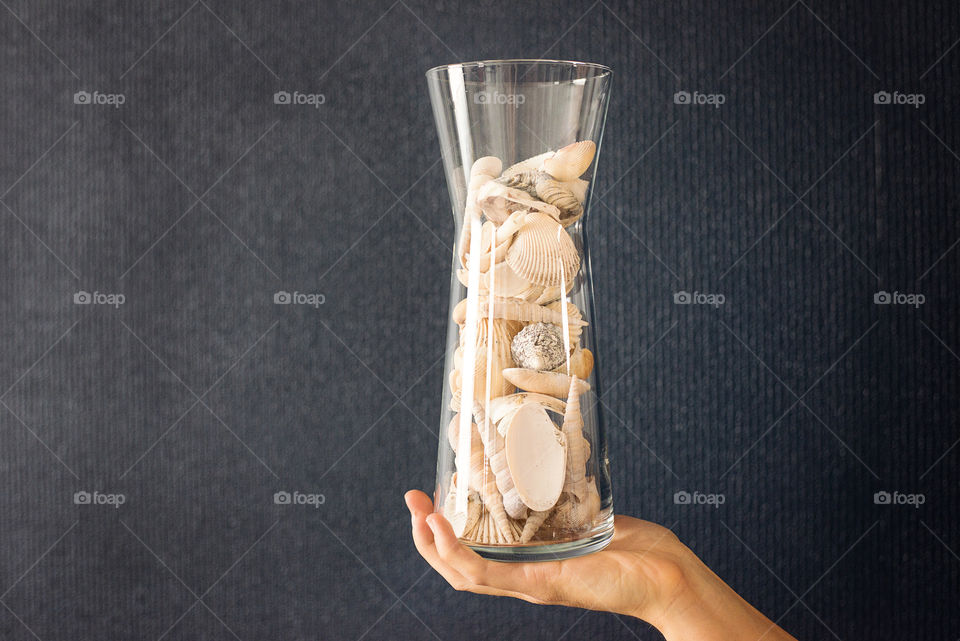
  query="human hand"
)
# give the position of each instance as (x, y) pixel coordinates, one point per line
(645, 572)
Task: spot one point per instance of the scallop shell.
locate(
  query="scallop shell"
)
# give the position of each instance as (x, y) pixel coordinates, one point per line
(501, 244)
(578, 188)
(495, 346)
(559, 195)
(572, 161)
(506, 282)
(543, 253)
(550, 383)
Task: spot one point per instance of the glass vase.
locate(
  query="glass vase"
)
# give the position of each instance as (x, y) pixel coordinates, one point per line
(522, 469)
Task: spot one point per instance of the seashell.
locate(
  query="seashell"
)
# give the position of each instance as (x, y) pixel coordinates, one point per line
(557, 194)
(462, 522)
(495, 346)
(505, 282)
(572, 161)
(550, 294)
(530, 164)
(483, 171)
(576, 323)
(514, 310)
(482, 481)
(539, 346)
(498, 202)
(493, 449)
(525, 180)
(543, 253)
(577, 187)
(486, 532)
(490, 237)
(532, 524)
(549, 383)
(573, 514)
(536, 454)
(580, 364)
(574, 481)
(500, 407)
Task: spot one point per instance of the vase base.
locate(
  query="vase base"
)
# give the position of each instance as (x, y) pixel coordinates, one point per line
(547, 551)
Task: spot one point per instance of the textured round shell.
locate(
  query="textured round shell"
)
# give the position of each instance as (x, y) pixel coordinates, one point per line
(543, 253)
(539, 346)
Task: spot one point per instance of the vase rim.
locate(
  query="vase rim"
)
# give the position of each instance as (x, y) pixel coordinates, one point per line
(602, 69)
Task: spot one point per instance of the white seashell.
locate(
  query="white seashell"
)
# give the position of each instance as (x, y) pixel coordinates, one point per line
(572, 161)
(549, 383)
(501, 406)
(532, 524)
(580, 364)
(575, 480)
(530, 164)
(462, 522)
(486, 166)
(536, 455)
(578, 188)
(576, 322)
(515, 310)
(543, 253)
(495, 345)
(506, 282)
(574, 514)
(499, 201)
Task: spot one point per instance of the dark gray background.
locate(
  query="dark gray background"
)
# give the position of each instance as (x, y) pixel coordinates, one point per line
(199, 398)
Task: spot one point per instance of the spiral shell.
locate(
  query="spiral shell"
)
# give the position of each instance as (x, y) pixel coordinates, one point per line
(525, 180)
(543, 253)
(571, 161)
(559, 195)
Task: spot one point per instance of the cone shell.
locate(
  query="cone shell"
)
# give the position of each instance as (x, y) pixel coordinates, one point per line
(549, 383)
(543, 253)
(571, 161)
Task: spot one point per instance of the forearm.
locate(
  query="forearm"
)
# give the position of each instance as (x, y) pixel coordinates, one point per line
(707, 609)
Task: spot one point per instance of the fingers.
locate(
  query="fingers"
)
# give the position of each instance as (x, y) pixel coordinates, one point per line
(487, 577)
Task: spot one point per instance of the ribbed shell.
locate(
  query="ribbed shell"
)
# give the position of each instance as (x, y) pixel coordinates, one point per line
(571, 161)
(543, 253)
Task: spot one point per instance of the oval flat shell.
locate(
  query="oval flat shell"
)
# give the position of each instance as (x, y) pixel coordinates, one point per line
(536, 455)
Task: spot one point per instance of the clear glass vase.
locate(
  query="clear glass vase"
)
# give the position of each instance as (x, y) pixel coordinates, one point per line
(522, 471)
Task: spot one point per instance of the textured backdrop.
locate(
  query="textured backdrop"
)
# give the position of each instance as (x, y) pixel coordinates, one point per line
(180, 398)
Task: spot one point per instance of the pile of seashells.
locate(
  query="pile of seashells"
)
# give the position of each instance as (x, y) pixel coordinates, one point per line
(522, 473)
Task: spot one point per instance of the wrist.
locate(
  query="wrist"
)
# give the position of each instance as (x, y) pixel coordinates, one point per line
(699, 606)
